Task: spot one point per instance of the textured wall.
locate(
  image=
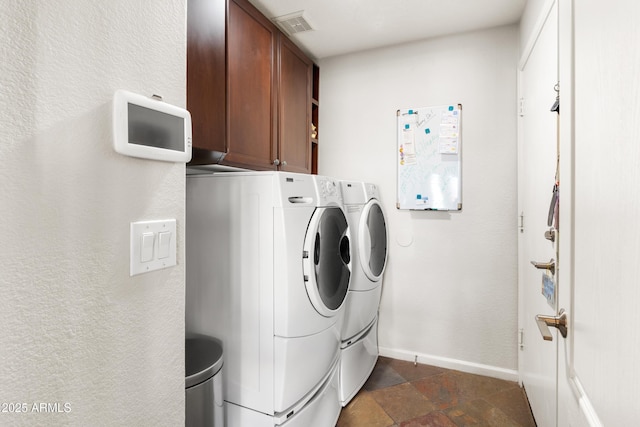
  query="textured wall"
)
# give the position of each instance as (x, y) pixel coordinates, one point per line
(79, 334)
(450, 289)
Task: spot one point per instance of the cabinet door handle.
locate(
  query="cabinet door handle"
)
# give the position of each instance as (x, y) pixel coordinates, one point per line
(276, 162)
(284, 163)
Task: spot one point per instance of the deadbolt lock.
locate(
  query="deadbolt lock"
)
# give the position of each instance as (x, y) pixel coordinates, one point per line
(550, 234)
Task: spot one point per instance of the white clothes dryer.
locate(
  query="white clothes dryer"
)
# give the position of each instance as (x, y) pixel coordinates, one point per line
(268, 270)
(359, 342)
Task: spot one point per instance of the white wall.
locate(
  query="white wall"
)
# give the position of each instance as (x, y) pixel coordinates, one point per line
(76, 329)
(529, 20)
(450, 289)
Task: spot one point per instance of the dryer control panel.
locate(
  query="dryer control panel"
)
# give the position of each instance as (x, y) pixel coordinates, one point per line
(328, 190)
(371, 191)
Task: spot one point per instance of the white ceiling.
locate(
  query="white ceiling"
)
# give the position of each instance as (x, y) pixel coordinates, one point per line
(344, 26)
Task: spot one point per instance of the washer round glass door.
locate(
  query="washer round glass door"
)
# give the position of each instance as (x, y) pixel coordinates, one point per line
(326, 260)
(372, 240)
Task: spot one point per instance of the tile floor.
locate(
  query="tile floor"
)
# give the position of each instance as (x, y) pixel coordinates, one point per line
(399, 394)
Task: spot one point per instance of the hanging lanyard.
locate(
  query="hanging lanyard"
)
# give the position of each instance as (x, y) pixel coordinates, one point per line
(552, 217)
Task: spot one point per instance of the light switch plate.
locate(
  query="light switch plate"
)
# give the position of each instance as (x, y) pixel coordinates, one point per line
(163, 253)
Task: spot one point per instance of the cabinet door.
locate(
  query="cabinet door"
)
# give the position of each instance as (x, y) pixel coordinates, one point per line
(206, 74)
(251, 88)
(294, 108)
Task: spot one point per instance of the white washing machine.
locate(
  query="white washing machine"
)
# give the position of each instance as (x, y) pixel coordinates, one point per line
(268, 270)
(359, 332)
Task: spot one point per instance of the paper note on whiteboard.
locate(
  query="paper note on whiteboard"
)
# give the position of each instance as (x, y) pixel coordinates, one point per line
(449, 132)
(408, 145)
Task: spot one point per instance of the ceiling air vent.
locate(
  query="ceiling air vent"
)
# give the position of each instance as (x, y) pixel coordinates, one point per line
(293, 23)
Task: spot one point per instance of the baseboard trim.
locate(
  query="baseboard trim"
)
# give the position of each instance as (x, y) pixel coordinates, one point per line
(445, 362)
(586, 408)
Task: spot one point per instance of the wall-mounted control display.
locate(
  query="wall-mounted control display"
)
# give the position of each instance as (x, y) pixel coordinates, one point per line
(150, 128)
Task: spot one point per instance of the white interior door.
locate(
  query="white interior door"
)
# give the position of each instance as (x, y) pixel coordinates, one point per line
(537, 176)
(599, 377)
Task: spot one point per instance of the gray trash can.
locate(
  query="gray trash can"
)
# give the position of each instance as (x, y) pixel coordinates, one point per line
(203, 366)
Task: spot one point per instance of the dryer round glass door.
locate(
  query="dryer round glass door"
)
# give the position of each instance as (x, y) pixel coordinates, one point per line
(372, 240)
(326, 260)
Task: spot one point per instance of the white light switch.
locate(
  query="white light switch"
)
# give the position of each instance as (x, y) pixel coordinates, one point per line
(164, 239)
(152, 245)
(146, 251)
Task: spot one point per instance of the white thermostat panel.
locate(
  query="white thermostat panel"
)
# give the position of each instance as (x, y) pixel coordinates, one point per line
(150, 128)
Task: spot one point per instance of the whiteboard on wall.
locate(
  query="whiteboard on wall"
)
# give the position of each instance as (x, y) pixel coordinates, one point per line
(429, 158)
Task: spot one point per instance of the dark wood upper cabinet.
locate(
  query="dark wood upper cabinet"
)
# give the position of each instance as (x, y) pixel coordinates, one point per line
(294, 108)
(206, 73)
(251, 62)
(249, 89)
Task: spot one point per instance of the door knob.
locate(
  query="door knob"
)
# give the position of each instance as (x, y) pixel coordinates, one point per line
(276, 162)
(284, 163)
(551, 265)
(559, 321)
